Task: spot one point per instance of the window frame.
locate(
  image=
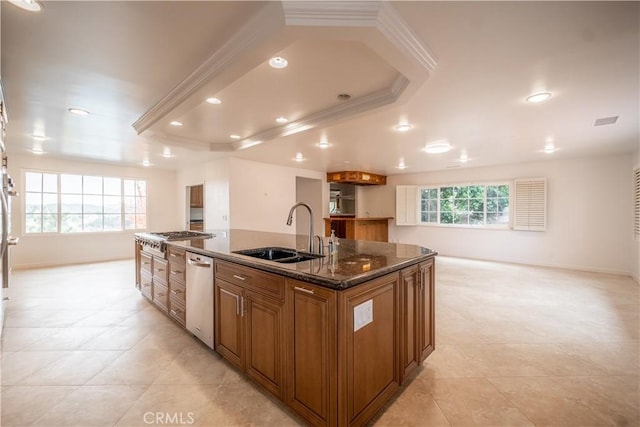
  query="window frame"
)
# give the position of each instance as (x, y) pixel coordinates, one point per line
(498, 226)
(59, 213)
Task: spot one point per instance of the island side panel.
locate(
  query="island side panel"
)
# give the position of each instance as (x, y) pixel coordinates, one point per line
(368, 349)
(311, 352)
(427, 314)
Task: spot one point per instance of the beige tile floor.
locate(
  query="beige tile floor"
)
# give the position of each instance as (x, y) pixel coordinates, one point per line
(516, 345)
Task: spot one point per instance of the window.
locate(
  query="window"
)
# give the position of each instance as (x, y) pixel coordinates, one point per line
(135, 204)
(70, 203)
(475, 205)
(41, 202)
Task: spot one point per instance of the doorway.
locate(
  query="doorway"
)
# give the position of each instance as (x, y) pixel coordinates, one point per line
(195, 207)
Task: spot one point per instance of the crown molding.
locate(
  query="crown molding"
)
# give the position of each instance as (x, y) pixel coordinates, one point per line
(400, 34)
(331, 115)
(375, 23)
(331, 13)
(262, 25)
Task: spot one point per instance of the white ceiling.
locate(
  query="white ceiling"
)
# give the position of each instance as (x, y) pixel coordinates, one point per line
(120, 60)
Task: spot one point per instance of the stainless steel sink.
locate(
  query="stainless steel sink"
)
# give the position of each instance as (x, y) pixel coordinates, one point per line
(282, 255)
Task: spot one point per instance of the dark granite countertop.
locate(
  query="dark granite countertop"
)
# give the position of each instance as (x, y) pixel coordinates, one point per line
(356, 261)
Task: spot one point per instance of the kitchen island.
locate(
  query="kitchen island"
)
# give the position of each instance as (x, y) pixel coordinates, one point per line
(332, 337)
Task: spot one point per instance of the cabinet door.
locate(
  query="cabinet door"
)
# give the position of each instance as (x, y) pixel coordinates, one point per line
(426, 314)
(146, 285)
(410, 295)
(228, 330)
(368, 324)
(264, 338)
(311, 346)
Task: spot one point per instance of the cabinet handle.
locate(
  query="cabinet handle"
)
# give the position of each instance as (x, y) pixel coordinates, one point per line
(224, 291)
(176, 272)
(305, 290)
(173, 291)
(146, 285)
(240, 277)
(161, 295)
(146, 262)
(241, 306)
(175, 313)
(159, 269)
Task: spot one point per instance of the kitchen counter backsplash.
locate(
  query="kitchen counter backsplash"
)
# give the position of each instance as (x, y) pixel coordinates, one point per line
(355, 262)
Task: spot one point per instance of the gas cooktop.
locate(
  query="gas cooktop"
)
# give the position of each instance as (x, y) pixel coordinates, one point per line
(177, 235)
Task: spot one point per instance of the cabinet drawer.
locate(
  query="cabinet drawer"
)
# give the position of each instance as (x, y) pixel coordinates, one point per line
(145, 262)
(176, 272)
(177, 292)
(254, 280)
(177, 311)
(146, 288)
(175, 255)
(160, 267)
(161, 296)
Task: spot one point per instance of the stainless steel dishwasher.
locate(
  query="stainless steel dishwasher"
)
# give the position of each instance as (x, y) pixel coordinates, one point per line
(199, 277)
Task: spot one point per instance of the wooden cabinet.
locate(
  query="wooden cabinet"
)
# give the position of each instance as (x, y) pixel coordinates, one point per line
(196, 226)
(426, 310)
(196, 196)
(368, 328)
(249, 329)
(417, 322)
(145, 274)
(311, 347)
(177, 286)
(160, 284)
(409, 294)
(356, 177)
(372, 229)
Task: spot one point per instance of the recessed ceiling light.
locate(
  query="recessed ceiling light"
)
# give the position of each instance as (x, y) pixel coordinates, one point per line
(167, 153)
(299, 157)
(79, 111)
(402, 127)
(278, 62)
(234, 136)
(538, 97)
(30, 5)
(214, 101)
(39, 137)
(549, 148)
(323, 143)
(37, 150)
(437, 147)
(463, 156)
(146, 163)
(175, 123)
(281, 119)
(401, 164)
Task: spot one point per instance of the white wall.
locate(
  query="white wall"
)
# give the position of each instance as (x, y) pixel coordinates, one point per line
(56, 249)
(588, 218)
(261, 195)
(215, 177)
(309, 191)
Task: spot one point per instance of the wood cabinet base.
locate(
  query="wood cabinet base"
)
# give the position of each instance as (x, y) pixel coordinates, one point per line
(334, 357)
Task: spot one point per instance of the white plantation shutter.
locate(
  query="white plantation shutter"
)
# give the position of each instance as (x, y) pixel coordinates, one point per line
(530, 204)
(406, 205)
(636, 204)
